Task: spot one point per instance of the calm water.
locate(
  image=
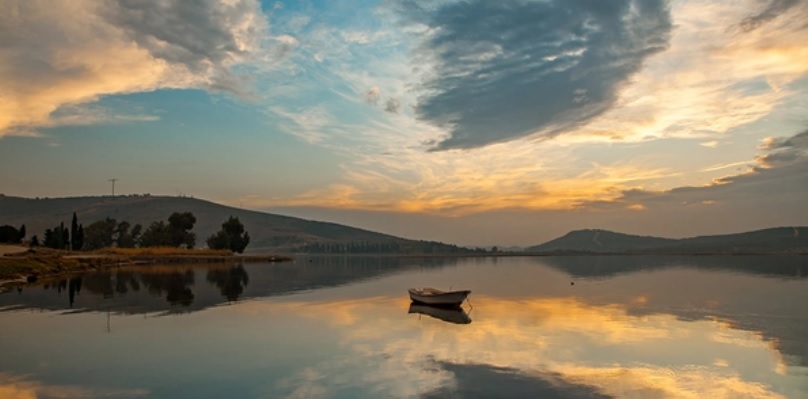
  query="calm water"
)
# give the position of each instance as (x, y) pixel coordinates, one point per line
(565, 327)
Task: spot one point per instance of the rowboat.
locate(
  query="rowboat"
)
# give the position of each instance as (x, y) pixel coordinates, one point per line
(434, 297)
(454, 315)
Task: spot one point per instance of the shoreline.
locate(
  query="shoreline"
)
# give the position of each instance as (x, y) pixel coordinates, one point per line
(27, 267)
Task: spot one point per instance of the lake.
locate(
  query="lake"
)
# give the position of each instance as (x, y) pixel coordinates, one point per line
(559, 327)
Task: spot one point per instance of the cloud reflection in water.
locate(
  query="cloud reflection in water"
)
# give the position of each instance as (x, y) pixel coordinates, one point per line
(559, 345)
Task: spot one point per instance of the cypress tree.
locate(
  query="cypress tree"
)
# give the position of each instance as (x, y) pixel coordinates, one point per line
(74, 229)
(59, 236)
(65, 237)
(79, 238)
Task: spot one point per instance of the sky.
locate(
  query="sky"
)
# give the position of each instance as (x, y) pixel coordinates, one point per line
(469, 122)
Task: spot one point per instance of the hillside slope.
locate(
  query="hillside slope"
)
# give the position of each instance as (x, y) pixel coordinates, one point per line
(600, 241)
(267, 231)
(774, 240)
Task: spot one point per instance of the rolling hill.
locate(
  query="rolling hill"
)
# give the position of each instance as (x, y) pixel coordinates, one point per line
(774, 240)
(268, 232)
(276, 233)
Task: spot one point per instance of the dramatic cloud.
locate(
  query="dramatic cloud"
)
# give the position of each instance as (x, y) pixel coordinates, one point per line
(713, 78)
(785, 151)
(57, 53)
(775, 191)
(502, 70)
(770, 12)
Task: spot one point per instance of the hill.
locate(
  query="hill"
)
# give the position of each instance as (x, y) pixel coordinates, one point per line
(268, 232)
(774, 240)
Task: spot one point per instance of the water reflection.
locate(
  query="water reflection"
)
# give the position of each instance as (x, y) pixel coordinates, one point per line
(484, 381)
(20, 387)
(176, 288)
(447, 314)
(231, 282)
(629, 327)
(786, 266)
(555, 346)
(174, 285)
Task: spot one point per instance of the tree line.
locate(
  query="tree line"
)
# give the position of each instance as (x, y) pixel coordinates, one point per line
(386, 247)
(173, 232)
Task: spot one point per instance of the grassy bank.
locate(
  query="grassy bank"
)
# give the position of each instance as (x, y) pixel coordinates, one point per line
(40, 262)
(33, 265)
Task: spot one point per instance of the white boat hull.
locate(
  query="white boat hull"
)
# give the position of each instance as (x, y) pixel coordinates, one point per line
(431, 296)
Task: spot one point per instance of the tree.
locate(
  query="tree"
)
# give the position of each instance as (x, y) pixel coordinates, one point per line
(123, 237)
(180, 226)
(74, 232)
(49, 239)
(100, 234)
(128, 238)
(22, 233)
(136, 231)
(57, 237)
(65, 239)
(9, 234)
(232, 236)
(156, 235)
(35, 241)
(79, 238)
(175, 233)
(60, 236)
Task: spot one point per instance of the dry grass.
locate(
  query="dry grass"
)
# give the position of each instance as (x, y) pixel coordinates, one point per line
(11, 268)
(12, 249)
(164, 251)
(45, 262)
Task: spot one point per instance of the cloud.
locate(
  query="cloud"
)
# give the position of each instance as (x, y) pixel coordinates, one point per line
(607, 351)
(502, 70)
(285, 45)
(775, 190)
(372, 96)
(712, 79)
(785, 151)
(392, 105)
(63, 53)
(770, 12)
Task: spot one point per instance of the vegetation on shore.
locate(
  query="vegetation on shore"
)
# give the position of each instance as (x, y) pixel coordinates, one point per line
(176, 231)
(163, 251)
(36, 263)
(109, 242)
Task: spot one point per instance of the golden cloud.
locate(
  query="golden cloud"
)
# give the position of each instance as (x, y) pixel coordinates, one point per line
(711, 80)
(65, 53)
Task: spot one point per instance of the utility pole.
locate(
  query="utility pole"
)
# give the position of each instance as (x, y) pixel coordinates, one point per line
(113, 185)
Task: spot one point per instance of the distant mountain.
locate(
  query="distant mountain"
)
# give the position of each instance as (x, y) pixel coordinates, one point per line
(774, 240)
(268, 232)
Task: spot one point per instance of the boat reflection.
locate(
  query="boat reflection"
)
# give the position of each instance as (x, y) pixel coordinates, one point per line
(454, 315)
